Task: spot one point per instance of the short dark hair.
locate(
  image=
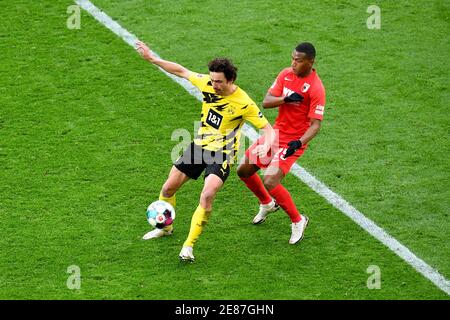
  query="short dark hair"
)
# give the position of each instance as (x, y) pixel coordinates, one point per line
(223, 65)
(307, 48)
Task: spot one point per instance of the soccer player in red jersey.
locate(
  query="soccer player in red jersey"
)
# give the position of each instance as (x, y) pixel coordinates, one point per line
(299, 94)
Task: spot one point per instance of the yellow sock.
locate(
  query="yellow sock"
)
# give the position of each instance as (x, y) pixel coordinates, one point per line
(172, 200)
(199, 220)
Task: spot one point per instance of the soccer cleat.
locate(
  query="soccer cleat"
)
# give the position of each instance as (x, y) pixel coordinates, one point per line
(156, 233)
(186, 254)
(298, 230)
(264, 210)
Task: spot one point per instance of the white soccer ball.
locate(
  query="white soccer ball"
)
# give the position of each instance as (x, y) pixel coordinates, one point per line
(160, 214)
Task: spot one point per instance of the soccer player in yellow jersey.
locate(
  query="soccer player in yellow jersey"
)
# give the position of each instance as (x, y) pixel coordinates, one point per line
(225, 108)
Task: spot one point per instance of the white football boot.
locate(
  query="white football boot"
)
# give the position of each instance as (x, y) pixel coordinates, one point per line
(264, 210)
(186, 254)
(298, 230)
(156, 233)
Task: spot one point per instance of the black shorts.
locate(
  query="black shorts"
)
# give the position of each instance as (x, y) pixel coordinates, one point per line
(195, 160)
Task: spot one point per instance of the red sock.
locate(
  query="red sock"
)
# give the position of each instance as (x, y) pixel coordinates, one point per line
(255, 184)
(284, 199)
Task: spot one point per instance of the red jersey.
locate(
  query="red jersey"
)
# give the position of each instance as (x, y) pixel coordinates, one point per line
(294, 118)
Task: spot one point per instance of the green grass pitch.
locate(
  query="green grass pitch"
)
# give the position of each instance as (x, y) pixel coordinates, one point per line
(85, 143)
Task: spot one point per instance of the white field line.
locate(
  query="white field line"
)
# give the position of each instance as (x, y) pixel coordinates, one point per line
(333, 198)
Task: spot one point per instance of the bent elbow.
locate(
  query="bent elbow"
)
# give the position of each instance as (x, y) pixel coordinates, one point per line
(316, 126)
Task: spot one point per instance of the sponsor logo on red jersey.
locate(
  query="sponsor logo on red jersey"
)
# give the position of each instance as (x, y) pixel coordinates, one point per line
(287, 92)
(319, 110)
(305, 87)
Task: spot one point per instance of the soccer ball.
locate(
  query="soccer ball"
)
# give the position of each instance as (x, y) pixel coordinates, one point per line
(160, 214)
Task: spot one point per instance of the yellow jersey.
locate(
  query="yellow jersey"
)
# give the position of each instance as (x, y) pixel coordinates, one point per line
(222, 117)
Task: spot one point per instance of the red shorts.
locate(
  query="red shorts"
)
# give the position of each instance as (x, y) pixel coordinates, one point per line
(275, 157)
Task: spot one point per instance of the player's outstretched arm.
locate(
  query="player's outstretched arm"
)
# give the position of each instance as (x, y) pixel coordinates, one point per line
(171, 67)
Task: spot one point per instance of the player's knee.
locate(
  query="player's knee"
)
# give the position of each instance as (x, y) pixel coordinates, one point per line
(168, 190)
(207, 197)
(243, 172)
(270, 182)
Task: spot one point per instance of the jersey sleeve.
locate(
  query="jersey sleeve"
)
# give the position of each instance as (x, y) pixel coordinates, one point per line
(276, 89)
(317, 104)
(199, 80)
(255, 116)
